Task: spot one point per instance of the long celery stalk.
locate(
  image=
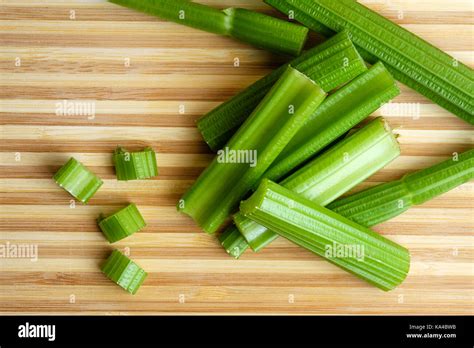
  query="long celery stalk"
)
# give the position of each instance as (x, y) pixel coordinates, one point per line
(385, 201)
(339, 240)
(255, 28)
(410, 59)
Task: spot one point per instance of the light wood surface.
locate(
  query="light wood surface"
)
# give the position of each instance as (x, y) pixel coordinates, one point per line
(137, 105)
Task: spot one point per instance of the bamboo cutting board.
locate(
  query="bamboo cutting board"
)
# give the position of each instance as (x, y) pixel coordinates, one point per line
(149, 80)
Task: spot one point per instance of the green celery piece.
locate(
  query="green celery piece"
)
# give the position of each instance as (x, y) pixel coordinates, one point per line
(221, 186)
(183, 12)
(121, 224)
(410, 59)
(124, 272)
(233, 242)
(76, 179)
(255, 28)
(266, 32)
(332, 174)
(385, 201)
(381, 262)
(135, 165)
(339, 113)
(218, 126)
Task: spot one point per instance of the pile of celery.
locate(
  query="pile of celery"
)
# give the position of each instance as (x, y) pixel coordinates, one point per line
(296, 126)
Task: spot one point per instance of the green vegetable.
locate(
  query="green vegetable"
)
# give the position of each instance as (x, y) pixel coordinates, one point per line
(319, 63)
(385, 201)
(76, 179)
(337, 115)
(410, 59)
(121, 224)
(124, 272)
(255, 28)
(341, 241)
(135, 165)
(233, 242)
(238, 167)
(266, 32)
(330, 175)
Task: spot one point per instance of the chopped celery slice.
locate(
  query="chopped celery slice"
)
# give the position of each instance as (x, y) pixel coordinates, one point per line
(385, 201)
(255, 28)
(338, 114)
(121, 224)
(124, 272)
(233, 242)
(76, 179)
(330, 175)
(233, 172)
(329, 64)
(339, 240)
(135, 165)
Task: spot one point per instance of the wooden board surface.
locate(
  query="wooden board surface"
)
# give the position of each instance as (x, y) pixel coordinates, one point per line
(56, 50)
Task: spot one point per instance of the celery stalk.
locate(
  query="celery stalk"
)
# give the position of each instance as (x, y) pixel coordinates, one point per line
(318, 63)
(365, 253)
(232, 173)
(255, 28)
(332, 174)
(410, 59)
(385, 201)
(266, 32)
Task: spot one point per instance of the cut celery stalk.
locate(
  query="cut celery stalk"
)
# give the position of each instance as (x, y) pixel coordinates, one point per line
(135, 165)
(365, 253)
(337, 115)
(332, 174)
(218, 126)
(385, 201)
(266, 32)
(234, 171)
(124, 272)
(233, 242)
(255, 28)
(183, 12)
(121, 224)
(76, 179)
(410, 59)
